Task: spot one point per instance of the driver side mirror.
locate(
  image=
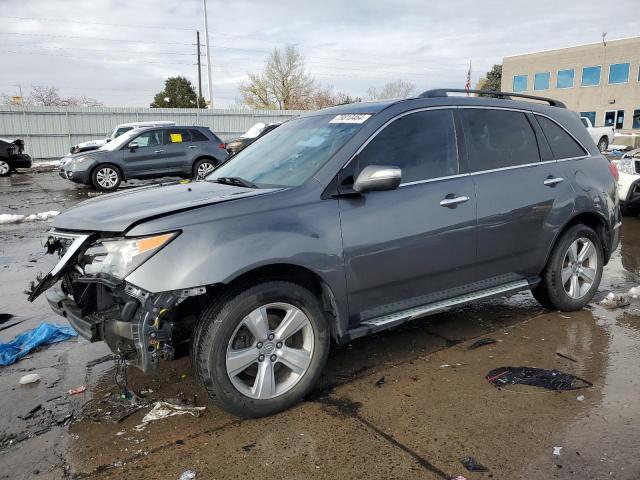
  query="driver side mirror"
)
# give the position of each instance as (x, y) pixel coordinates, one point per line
(108, 139)
(133, 146)
(376, 178)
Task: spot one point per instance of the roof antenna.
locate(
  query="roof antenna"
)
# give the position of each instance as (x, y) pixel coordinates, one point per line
(604, 42)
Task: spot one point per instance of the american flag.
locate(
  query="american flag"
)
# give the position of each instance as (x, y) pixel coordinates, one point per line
(467, 86)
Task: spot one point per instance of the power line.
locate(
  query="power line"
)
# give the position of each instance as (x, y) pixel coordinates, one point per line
(85, 59)
(145, 52)
(124, 25)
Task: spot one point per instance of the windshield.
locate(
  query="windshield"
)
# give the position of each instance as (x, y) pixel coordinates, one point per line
(119, 131)
(118, 142)
(289, 155)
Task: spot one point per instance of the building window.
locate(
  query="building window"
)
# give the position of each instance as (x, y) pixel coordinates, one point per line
(619, 73)
(520, 83)
(591, 116)
(591, 76)
(565, 78)
(636, 118)
(541, 81)
(609, 118)
(614, 118)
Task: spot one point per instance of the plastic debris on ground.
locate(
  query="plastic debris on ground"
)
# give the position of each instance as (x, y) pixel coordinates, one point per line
(164, 410)
(580, 398)
(482, 342)
(556, 450)
(473, 465)
(537, 377)
(30, 378)
(615, 300)
(76, 391)
(44, 334)
(459, 477)
(188, 475)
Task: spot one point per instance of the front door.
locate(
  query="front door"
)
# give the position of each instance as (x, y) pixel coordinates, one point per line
(146, 157)
(409, 246)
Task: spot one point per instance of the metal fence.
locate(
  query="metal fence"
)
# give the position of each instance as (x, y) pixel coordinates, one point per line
(49, 132)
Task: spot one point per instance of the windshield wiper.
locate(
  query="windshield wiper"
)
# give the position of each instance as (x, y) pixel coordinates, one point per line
(235, 181)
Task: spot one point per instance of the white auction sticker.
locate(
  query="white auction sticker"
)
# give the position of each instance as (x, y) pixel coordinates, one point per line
(351, 118)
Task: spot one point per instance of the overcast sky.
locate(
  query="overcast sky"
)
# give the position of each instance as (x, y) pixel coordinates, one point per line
(120, 52)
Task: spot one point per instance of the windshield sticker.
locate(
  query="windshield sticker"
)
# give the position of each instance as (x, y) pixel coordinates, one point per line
(351, 118)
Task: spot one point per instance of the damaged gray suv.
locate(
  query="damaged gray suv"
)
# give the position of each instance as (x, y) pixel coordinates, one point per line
(338, 224)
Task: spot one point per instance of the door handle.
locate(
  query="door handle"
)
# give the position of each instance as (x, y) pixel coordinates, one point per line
(158, 151)
(192, 146)
(452, 202)
(550, 182)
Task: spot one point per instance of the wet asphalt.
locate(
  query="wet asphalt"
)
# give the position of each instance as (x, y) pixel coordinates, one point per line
(406, 403)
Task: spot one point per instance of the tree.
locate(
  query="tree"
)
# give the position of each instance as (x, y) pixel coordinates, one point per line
(48, 96)
(492, 80)
(284, 83)
(178, 93)
(397, 89)
(324, 97)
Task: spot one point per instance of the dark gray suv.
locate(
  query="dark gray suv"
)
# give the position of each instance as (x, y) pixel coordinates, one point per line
(338, 224)
(150, 152)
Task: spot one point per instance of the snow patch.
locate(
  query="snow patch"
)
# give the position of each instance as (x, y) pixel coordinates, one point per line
(34, 217)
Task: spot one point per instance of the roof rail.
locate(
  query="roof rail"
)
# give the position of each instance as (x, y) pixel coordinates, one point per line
(442, 92)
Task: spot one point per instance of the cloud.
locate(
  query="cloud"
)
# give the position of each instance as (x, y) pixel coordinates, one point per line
(349, 45)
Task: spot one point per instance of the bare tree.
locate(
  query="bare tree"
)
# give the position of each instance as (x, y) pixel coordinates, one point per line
(47, 96)
(397, 89)
(284, 83)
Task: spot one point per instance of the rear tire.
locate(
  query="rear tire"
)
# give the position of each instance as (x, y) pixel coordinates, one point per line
(603, 144)
(204, 167)
(106, 177)
(573, 272)
(245, 355)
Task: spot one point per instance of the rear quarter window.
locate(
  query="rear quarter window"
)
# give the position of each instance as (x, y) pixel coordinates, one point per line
(498, 139)
(562, 144)
(198, 136)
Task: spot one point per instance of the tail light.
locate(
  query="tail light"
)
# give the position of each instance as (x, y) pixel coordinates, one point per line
(613, 168)
(222, 145)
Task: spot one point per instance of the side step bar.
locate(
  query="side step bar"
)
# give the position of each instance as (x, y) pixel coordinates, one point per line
(393, 319)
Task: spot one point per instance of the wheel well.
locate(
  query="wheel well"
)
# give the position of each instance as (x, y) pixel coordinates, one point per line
(604, 137)
(594, 221)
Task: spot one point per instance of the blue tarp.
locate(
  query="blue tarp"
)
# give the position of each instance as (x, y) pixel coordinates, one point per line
(44, 334)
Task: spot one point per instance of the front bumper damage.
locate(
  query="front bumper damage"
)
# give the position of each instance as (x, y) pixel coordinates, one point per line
(136, 324)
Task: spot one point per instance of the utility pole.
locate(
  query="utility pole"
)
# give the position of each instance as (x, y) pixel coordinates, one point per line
(199, 71)
(206, 41)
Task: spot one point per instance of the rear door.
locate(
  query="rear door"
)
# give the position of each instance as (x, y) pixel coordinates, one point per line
(144, 159)
(413, 245)
(522, 195)
(178, 150)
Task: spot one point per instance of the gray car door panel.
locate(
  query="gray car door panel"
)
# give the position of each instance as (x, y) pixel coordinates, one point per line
(145, 159)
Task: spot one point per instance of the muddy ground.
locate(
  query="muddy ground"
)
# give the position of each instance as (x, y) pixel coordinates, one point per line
(407, 403)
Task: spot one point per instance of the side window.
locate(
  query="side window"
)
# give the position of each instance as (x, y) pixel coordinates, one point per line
(198, 136)
(498, 139)
(176, 135)
(422, 144)
(150, 138)
(561, 143)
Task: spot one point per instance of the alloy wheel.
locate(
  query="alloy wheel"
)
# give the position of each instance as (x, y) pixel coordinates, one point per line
(107, 177)
(270, 351)
(579, 268)
(204, 168)
(4, 167)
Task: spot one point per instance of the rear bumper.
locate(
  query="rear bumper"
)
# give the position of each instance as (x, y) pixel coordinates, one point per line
(21, 161)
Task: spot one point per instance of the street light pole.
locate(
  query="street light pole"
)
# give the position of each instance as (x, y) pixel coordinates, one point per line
(206, 41)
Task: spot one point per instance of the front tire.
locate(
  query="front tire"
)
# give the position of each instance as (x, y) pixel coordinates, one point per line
(106, 178)
(573, 272)
(5, 167)
(603, 144)
(261, 349)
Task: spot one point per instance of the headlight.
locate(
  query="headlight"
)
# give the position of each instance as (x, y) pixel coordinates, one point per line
(120, 257)
(627, 165)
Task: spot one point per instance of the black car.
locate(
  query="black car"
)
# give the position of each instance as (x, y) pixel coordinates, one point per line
(12, 156)
(250, 136)
(151, 152)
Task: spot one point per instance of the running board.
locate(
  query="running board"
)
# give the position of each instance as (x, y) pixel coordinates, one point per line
(393, 319)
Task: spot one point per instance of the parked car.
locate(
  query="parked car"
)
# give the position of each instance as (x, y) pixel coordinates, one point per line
(12, 156)
(147, 153)
(254, 133)
(602, 136)
(629, 182)
(338, 224)
(117, 131)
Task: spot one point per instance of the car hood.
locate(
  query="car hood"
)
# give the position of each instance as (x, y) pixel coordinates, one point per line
(118, 212)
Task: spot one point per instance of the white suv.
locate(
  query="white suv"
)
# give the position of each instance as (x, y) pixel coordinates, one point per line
(629, 182)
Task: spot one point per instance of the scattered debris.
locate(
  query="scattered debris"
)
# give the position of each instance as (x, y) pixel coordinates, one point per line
(30, 413)
(76, 391)
(165, 409)
(473, 465)
(380, 382)
(481, 342)
(615, 300)
(188, 475)
(580, 398)
(556, 450)
(249, 447)
(44, 334)
(460, 477)
(537, 377)
(30, 378)
(566, 357)
(179, 442)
